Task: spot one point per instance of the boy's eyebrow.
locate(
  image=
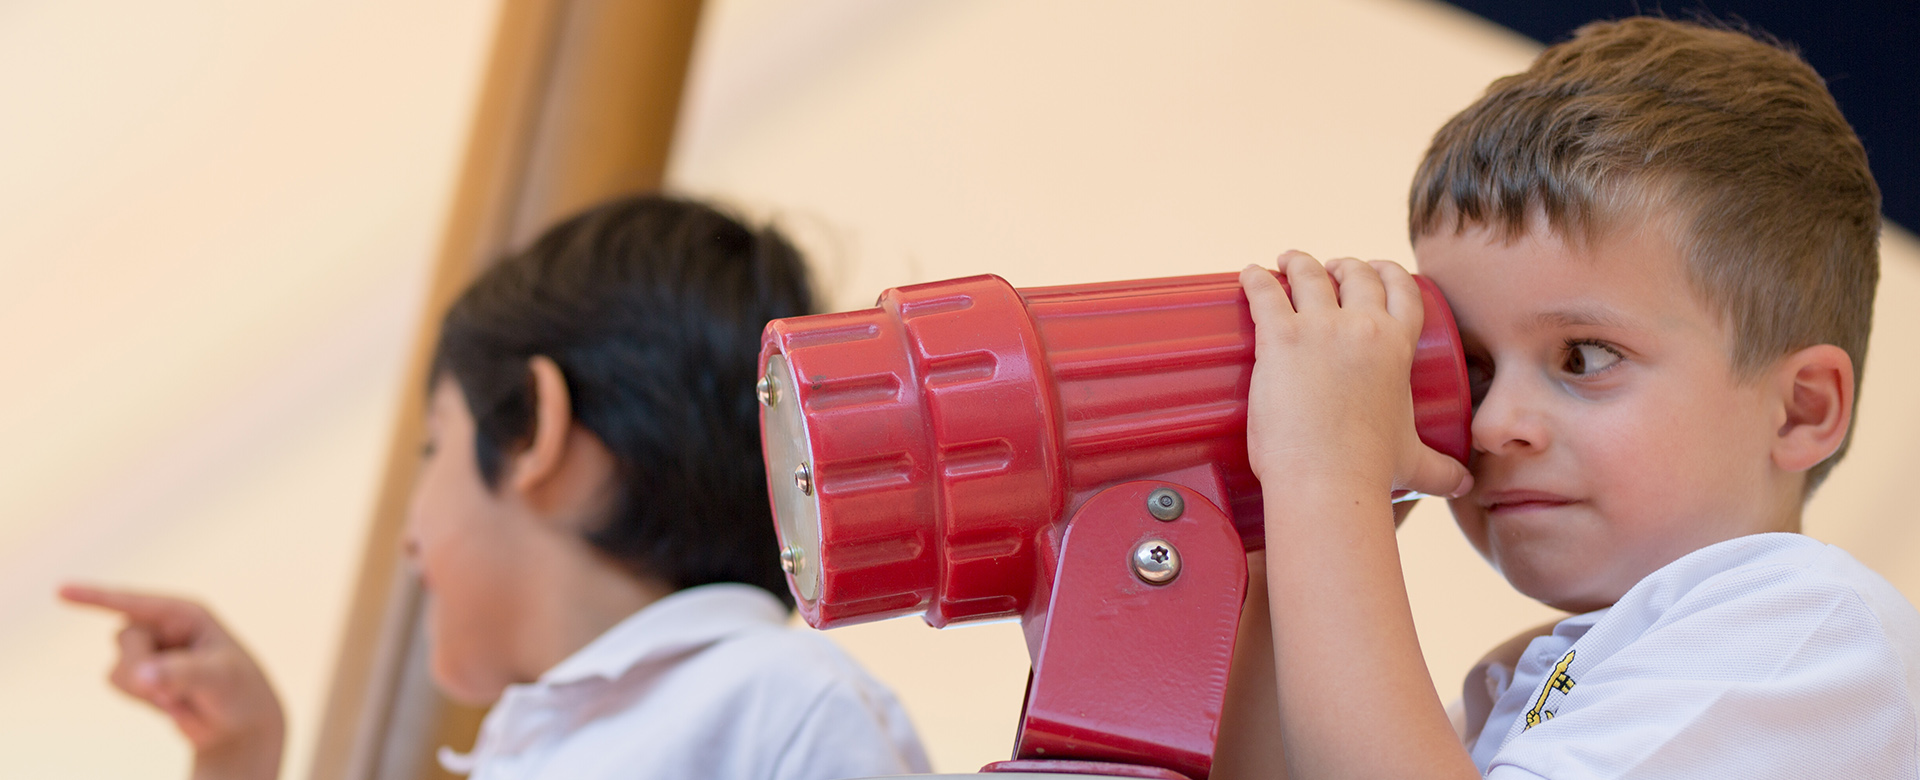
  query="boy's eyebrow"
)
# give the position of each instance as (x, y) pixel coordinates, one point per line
(1584, 316)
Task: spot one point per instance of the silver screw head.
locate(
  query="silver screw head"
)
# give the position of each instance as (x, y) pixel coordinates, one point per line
(790, 559)
(768, 389)
(1156, 561)
(1166, 504)
(803, 478)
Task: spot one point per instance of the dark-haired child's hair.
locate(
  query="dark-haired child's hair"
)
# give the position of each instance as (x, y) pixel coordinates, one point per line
(652, 307)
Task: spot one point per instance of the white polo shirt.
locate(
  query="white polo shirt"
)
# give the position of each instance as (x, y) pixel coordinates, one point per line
(709, 682)
(1767, 656)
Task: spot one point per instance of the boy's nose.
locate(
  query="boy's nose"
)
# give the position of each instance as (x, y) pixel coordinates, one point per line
(1506, 423)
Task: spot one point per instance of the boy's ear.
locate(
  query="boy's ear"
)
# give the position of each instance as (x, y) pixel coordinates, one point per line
(552, 424)
(1815, 389)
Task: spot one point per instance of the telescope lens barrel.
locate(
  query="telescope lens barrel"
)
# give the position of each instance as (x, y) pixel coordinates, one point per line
(924, 455)
(796, 507)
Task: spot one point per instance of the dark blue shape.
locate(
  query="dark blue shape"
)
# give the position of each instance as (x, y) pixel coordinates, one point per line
(1869, 52)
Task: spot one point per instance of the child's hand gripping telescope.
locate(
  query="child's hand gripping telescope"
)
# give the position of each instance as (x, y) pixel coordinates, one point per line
(1072, 456)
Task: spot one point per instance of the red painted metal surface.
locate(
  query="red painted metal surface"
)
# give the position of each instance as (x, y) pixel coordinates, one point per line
(955, 427)
(1097, 768)
(959, 444)
(1126, 671)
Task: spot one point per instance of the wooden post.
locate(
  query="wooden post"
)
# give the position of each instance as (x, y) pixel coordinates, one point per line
(578, 104)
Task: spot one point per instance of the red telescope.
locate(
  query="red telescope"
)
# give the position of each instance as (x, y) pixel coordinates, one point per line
(1072, 456)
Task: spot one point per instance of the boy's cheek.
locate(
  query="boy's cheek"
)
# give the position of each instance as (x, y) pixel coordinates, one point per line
(1472, 521)
(452, 660)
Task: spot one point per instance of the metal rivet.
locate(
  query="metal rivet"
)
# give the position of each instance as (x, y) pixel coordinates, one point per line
(1166, 504)
(803, 478)
(768, 390)
(790, 559)
(1156, 561)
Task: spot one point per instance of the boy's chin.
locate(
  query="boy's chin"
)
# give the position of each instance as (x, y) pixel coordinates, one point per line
(461, 686)
(1557, 590)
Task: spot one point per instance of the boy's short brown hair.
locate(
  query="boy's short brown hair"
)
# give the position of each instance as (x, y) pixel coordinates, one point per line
(1777, 213)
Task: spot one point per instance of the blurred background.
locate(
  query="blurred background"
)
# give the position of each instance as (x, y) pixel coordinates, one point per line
(218, 225)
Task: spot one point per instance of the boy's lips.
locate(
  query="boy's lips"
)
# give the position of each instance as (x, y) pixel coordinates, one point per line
(1522, 500)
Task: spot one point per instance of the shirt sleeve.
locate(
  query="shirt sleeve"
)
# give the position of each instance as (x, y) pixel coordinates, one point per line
(1756, 682)
(851, 733)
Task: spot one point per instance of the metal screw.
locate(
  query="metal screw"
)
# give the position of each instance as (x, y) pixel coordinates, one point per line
(790, 559)
(768, 390)
(1156, 561)
(803, 478)
(1166, 504)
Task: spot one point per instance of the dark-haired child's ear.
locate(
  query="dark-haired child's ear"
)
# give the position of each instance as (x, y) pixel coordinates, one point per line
(552, 426)
(563, 473)
(1814, 387)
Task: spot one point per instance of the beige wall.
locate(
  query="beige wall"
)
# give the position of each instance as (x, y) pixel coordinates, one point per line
(217, 217)
(1077, 141)
(215, 221)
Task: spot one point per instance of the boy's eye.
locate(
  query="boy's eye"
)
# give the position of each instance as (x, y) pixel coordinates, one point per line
(1479, 378)
(1588, 357)
(427, 449)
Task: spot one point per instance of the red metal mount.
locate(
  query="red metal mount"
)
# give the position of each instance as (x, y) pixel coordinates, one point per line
(1127, 670)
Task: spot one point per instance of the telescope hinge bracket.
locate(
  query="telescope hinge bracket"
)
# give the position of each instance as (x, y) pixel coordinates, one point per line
(1127, 670)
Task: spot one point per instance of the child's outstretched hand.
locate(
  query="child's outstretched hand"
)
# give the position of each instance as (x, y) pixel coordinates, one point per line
(175, 656)
(1330, 401)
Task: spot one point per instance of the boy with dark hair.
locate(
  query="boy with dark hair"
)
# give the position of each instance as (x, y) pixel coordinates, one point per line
(1660, 245)
(591, 526)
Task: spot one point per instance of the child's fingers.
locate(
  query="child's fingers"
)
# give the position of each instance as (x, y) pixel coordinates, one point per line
(89, 595)
(1438, 475)
(177, 675)
(168, 679)
(1312, 287)
(212, 694)
(174, 620)
(1359, 284)
(132, 670)
(1266, 298)
(140, 606)
(1403, 294)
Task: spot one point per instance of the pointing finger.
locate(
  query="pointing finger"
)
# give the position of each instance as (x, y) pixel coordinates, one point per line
(173, 620)
(137, 605)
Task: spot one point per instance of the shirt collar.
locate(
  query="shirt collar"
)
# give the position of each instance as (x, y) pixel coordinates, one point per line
(684, 621)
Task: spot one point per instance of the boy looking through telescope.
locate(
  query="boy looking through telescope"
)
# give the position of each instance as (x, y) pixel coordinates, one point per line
(591, 528)
(1660, 245)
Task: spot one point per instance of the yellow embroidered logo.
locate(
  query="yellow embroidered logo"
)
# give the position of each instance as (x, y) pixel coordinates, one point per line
(1558, 681)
